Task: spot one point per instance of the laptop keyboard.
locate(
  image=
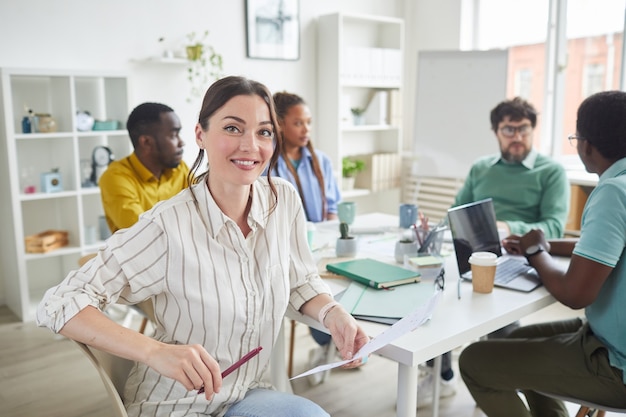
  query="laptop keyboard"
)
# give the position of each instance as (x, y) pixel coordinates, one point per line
(509, 269)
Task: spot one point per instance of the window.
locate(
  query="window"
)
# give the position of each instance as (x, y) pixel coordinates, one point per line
(523, 83)
(556, 70)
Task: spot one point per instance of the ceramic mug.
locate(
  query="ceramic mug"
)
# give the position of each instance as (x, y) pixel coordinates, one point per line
(408, 215)
(346, 211)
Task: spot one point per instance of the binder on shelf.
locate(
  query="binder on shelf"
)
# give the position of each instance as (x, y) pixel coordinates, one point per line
(377, 111)
(373, 273)
(382, 171)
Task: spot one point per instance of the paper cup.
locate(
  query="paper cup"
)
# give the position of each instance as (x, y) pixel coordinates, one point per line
(483, 271)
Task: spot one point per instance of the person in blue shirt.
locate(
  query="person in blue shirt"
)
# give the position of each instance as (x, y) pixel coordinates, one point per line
(577, 358)
(306, 168)
(311, 173)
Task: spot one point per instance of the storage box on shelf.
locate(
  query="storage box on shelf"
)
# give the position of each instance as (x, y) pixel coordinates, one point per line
(43, 179)
(360, 65)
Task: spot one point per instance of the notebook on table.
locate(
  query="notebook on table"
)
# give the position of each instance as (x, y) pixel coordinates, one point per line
(387, 307)
(474, 229)
(373, 273)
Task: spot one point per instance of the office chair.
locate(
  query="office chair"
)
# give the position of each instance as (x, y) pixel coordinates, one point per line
(587, 408)
(113, 372)
(144, 308)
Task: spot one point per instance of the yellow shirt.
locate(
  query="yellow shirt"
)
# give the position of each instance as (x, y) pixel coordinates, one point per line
(128, 189)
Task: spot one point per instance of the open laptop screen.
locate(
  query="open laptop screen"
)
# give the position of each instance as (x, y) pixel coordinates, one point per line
(473, 228)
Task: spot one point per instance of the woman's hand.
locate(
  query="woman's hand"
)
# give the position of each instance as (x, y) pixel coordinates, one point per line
(191, 365)
(348, 336)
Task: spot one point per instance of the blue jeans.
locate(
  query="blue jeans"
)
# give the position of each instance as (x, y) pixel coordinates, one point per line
(267, 403)
(322, 339)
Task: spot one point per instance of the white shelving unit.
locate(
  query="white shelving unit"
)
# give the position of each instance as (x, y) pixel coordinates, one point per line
(24, 156)
(358, 56)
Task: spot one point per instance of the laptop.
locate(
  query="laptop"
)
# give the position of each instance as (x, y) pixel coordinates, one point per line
(474, 229)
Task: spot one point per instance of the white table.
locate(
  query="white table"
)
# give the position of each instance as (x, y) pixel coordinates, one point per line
(454, 322)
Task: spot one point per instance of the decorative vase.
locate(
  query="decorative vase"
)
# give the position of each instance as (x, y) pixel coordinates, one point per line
(403, 247)
(358, 120)
(346, 248)
(194, 52)
(347, 183)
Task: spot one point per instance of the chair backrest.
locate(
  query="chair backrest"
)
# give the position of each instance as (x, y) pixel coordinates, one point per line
(433, 195)
(585, 406)
(113, 371)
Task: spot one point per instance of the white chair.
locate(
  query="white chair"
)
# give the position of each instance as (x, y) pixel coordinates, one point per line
(113, 372)
(587, 408)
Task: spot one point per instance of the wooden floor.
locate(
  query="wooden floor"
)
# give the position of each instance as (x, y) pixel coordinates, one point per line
(42, 374)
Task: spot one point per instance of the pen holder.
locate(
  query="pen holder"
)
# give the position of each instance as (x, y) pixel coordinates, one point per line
(431, 242)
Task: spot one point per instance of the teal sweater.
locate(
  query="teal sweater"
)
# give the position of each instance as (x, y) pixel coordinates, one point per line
(533, 194)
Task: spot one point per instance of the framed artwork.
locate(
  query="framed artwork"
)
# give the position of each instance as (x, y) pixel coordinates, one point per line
(273, 29)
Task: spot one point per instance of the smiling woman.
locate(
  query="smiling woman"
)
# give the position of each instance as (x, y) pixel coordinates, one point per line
(231, 235)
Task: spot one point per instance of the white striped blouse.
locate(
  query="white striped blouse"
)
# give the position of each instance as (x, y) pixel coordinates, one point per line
(209, 285)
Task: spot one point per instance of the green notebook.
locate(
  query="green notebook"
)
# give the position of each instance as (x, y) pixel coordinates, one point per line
(373, 273)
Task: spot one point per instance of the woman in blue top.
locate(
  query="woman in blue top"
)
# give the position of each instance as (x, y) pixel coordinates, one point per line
(308, 169)
(311, 173)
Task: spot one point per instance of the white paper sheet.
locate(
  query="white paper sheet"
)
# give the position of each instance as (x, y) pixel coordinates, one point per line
(407, 324)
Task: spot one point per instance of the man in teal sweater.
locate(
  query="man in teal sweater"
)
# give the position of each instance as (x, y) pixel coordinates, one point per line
(529, 191)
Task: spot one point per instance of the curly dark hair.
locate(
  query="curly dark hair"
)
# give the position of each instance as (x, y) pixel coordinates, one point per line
(144, 119)
(602, 122)
(283, 101)
(516, 109)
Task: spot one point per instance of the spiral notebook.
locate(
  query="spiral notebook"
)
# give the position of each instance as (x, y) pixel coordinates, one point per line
(373, 273)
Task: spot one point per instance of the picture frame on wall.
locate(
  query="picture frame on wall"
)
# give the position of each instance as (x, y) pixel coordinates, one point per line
(273, 29)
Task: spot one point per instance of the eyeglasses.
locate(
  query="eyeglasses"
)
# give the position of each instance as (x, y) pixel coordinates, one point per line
(440, 281)
(573, 139)
(510, 131)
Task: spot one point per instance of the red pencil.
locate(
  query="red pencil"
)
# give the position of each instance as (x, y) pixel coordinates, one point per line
(237, 364)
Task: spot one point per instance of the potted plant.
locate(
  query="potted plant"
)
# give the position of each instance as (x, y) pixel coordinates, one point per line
(349, 168)
(405, 247)
(346, 245)
(357, 115)
(205, 64)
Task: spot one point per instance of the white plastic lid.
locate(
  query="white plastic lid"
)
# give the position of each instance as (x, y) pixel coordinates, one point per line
(483, 259)
(310, 226)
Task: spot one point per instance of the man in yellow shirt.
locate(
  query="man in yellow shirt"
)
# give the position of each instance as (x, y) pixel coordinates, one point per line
(155, 170)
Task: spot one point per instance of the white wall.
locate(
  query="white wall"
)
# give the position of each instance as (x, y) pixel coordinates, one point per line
(110, 35)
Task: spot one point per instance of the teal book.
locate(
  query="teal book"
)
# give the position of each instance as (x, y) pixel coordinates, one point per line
(366, 303)
(373, 273)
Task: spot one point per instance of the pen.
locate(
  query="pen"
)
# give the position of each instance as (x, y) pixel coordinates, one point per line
(237, 364)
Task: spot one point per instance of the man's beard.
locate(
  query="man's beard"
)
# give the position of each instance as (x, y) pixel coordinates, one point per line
(507, 156)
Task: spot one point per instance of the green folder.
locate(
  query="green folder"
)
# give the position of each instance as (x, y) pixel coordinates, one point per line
(373, 273)
(386, 307)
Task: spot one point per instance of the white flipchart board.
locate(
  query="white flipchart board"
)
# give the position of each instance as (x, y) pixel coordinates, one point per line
(456, 91)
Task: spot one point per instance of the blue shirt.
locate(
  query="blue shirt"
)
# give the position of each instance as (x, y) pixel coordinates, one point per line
(310, 184)
(603, 239)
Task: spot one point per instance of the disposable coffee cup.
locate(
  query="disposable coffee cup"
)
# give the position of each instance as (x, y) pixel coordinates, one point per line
(483, 271)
